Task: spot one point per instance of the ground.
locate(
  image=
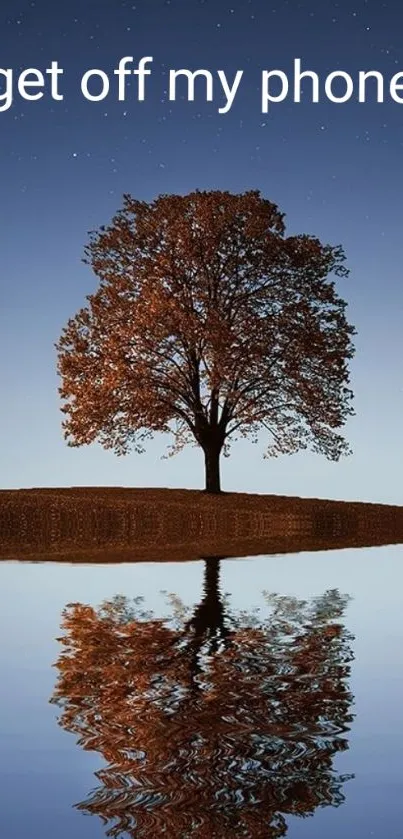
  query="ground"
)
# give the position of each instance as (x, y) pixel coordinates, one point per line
(120, 523)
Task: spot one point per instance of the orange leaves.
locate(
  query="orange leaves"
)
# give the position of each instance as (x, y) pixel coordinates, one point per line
(203, 301)
(237, 734)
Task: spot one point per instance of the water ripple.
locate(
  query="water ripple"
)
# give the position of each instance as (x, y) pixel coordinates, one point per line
(213, 724)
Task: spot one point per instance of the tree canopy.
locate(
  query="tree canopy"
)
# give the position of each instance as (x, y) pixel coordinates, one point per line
(210, 723)
(211, 324)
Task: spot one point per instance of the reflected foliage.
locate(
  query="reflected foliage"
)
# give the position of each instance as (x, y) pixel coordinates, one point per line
(213, 723)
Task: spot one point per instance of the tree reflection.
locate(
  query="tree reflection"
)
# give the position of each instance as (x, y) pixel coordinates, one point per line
(213, 723)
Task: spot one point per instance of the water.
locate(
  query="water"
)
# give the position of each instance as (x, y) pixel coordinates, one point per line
(257, 697)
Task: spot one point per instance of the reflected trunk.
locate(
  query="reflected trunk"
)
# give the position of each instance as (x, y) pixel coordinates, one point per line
(208, 625)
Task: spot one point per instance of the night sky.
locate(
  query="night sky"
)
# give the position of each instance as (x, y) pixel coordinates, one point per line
(336, 170)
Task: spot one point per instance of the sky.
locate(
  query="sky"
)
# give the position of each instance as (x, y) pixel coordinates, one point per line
(334, 169)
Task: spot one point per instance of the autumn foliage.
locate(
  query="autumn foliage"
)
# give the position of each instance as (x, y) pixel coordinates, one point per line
(210, 725)
(208, 323)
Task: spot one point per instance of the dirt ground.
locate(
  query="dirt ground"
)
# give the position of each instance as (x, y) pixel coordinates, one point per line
(123, 524)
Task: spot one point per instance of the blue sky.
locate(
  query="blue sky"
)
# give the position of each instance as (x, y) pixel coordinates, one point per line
(335, 170)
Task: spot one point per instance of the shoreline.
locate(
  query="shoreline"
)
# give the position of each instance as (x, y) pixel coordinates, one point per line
(121, 524)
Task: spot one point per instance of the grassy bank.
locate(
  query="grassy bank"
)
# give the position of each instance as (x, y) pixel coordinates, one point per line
(105, 523)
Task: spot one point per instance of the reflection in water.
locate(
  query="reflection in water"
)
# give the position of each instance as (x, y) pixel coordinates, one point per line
(213, 723)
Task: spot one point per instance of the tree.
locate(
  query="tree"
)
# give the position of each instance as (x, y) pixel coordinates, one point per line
(211, 324)
(246, 740)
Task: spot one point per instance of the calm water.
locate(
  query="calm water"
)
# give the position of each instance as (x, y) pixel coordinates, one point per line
(260, 697)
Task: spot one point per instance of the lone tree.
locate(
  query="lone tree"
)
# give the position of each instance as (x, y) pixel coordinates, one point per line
(211, 324)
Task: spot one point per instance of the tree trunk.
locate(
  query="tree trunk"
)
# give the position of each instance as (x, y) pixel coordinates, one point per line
(212, 466)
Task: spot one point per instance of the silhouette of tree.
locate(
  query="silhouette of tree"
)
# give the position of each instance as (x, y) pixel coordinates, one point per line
(207, 630)
(247, 739)
(211, 324)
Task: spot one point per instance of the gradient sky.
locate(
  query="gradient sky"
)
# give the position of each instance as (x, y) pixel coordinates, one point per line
(335, 170)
